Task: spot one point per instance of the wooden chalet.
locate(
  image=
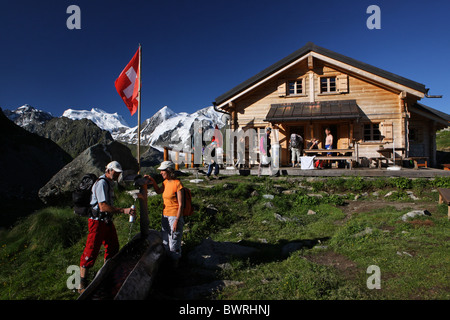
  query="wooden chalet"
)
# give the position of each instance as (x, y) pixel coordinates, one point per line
(367, 109)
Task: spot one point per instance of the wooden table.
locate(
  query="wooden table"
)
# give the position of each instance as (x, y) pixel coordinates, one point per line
(389, 152)
(416, 162)
(325, 155)
(444, 197)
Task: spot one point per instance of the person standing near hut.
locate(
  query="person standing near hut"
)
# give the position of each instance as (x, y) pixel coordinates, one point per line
(172, 221)
(328, 143)
(264, 150)
(296, 145)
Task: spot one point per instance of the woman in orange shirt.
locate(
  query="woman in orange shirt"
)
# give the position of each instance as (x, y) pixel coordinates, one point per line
(172, 220)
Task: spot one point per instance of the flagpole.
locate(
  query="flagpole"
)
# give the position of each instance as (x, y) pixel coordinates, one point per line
(139, 111)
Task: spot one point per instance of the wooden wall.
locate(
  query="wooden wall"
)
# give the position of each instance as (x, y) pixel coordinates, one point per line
(378, 104)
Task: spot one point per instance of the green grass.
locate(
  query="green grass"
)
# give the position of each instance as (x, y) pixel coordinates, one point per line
(443, 140)
(35, 253)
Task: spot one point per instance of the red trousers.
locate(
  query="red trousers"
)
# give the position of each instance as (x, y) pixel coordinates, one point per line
(100, 233)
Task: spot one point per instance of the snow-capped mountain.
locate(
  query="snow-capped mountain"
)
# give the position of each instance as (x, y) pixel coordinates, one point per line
(28, 117)
(164, 128)
(106, 121)
(168, 128)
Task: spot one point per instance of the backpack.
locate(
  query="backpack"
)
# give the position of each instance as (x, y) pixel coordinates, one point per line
(296, 140)
(81, 197)
(188, 209)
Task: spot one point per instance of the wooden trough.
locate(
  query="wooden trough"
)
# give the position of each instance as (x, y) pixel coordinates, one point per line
(129, 275)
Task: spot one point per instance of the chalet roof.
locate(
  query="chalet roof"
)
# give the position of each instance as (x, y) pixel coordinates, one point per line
(333, 55)
(433, 111)
(342, 109)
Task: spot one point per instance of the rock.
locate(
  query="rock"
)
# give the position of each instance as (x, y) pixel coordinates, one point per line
(227, 186)
(269, 205)
(284, 219)
(93, 160)
(288, 192)
(366, 231)
(375, 194)
(216, 255)
(404, 253)
(278, 189)
(311, 212)
(415, 213)
(254, 193)
(211, 210)
(412, 196)
(320, 247)
(318, 195)
(390, 193)
(268, 196)
(262, 240)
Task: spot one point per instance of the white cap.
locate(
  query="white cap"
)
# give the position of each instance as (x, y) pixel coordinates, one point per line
(166, 164)
(114, 165)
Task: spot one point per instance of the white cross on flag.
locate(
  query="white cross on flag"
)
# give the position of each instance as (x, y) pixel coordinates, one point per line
(128, 82)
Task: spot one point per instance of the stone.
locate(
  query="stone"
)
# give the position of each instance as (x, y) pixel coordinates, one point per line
(390, 193)
(289, 192)
(366, 231)
(93, 160)
(311, 212)
(211, 210)
(318, 195)
(254, 193)
(269, 205)
(268, 196)
(415, 213)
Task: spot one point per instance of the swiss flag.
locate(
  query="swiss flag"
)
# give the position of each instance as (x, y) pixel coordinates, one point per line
(127, 84)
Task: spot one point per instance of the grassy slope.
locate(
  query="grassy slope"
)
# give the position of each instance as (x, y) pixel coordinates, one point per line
(443, 140)
(35, 254)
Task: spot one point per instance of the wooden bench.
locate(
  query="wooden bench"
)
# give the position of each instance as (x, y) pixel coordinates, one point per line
(416, 162)
(444, 197)
(334, 158)
(379, 161)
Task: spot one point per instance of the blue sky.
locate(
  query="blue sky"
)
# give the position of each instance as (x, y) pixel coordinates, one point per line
(195, 50)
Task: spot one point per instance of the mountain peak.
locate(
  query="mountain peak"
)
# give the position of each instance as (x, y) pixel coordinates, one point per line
(103, 119)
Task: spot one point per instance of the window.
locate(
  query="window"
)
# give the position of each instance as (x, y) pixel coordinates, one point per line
(328, 85)
(372, 132)
(295, 87)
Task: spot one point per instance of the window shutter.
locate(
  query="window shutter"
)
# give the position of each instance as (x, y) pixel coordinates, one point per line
(387, 131)
(342, 83)
(282, 88)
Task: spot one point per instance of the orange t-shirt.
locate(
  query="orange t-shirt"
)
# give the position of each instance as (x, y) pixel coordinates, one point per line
(171, 187)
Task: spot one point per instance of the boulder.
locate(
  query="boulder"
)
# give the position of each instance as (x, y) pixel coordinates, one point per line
(415, 213)
(93, 160)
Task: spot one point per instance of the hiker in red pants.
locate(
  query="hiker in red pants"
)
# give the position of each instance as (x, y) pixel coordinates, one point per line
(101, 227)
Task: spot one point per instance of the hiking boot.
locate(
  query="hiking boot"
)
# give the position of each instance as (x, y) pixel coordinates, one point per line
(208, 178)
(216, 177)
(83, 285)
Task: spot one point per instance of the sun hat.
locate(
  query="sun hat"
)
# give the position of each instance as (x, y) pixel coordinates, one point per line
(166, 165)
(114, 165)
